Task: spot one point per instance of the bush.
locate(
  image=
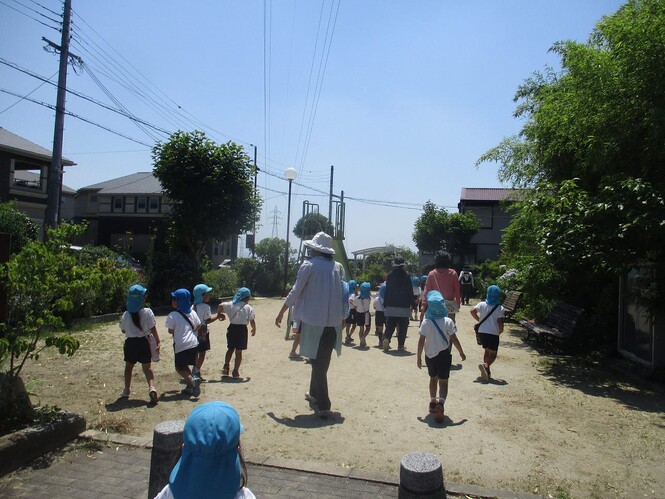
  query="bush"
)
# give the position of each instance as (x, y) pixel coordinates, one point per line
(224, 282)
(171, 272)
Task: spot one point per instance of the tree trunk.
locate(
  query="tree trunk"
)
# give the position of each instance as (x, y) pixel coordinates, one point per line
(16, 409)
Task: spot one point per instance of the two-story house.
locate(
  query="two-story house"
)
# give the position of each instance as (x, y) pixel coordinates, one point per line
(24, 168)
(128, 214)
(489, 206)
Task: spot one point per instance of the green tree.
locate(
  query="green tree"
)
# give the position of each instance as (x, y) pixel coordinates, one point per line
(437, 229)
(269, 277)
(18, 225)
(591, 150)
(211, 187)
(312, 223)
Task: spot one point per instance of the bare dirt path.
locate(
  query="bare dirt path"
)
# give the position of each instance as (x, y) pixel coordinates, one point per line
(543, 426)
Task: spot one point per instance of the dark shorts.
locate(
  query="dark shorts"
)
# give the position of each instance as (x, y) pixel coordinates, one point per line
(137, 350)
(351, 318)
(236, 337)
(363, 319)
(490, 341)
(380, 318)
(204, 345)
(185, 358)
(439, 366)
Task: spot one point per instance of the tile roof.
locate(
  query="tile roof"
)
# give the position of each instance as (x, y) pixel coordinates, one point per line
(135, 183)
(13, 143)
(486, 193)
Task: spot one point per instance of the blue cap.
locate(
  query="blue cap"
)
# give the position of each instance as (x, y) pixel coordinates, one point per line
(241, 295)
(365, 289)
(436, 306)
(184, 300)
(493, 295)
(135, 298)
(210, 460)
(199, 291)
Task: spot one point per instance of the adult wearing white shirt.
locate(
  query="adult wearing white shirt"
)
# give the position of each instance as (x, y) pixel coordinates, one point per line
(317, 301)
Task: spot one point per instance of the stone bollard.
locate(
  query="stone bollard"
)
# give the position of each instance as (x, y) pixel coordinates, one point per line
(166, 445)
(421, 476)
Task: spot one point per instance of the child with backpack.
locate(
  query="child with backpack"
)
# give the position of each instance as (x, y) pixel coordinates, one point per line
(437, 333)
(182, 324)
(240, 314)
(202, 309)
(489, 314)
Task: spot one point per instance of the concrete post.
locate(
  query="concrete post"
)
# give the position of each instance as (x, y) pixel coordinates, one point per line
(421, 476)
(166, 445)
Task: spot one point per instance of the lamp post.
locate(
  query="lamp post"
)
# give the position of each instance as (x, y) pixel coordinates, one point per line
(290, 174)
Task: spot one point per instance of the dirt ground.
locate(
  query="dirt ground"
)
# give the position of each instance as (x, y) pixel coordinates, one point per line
(541, 426)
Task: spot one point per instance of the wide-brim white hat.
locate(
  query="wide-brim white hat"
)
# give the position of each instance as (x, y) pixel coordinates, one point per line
(321, 242)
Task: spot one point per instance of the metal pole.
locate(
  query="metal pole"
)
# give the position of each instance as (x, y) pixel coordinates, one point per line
(256, 170)
(332, 171)
(55, 171)
(286, 256)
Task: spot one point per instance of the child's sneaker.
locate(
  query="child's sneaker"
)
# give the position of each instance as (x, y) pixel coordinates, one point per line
(489, 373)
(187, 391)
(236, 373)
(124, 394)
(225, 370)
(438, 413)
(386, 345)
(196, 386)
(432, 407)
(154, 398)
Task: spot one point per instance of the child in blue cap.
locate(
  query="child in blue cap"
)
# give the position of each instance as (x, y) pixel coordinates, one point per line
(437, 333)
(417, 292)
(240, 314)
(379, 313)
(211, 463)
(201, 294)
(182, 324)
(490, 315)
(350, 321)
(363, 302)
(138, 323)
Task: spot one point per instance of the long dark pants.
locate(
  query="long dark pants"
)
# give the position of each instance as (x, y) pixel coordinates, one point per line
(402, 324)
(466, 290)
(318, 385)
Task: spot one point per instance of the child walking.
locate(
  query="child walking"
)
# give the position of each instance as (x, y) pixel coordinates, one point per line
(182, 324)
(362, 303)
(137, 323)
(437, 332)
(379, 313)
(202, 309)
(490, 315)
(350, 321)
(240, 314)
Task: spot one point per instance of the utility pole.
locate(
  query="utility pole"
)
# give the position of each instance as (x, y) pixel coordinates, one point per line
(256, 171)
(332, 171)
(54, 182)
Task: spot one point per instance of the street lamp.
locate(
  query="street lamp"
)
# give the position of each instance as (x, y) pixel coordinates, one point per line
(290, 174)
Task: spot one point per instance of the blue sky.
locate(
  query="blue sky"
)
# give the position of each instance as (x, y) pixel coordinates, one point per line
(401, 97)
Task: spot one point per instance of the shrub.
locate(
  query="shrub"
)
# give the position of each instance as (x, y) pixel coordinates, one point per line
(223, 282)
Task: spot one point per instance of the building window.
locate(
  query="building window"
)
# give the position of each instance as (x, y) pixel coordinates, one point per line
(484, 214)
(141, 204)
(117, 204)
(154, 204)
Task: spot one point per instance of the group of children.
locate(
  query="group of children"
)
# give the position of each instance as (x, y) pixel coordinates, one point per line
(188, 325)
(437, 332)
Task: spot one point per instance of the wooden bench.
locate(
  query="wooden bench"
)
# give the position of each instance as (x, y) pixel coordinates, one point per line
(560, 324)
(510, 304)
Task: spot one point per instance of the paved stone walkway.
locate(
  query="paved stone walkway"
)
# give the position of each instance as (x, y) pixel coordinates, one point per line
(110, 470)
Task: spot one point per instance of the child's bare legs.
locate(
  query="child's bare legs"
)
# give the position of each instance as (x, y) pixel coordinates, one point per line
(238, 361)
(200, 358)
(296, 343)
(433, 383)
(489, 357)
(129, 368)
(185, 373)
(149, 375)
(227, 357)
(443, 389)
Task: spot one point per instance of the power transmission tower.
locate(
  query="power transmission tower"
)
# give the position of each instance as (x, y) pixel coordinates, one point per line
(275, 222)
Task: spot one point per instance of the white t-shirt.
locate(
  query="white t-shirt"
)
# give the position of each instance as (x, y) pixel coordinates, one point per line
(146, 318)
(434, 343)
(491, 325)
(378, 303)
(243, 493)
(240, 313)
(417, 291)
(361, 304)
(184, 337)
(203, 311)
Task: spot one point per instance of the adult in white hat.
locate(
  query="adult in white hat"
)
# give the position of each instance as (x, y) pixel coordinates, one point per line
(317, 301)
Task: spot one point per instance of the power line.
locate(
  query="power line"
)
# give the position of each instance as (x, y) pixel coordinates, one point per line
(30, 17)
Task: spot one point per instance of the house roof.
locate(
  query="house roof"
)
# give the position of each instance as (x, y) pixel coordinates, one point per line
(34, 177)
(136, 183)
(11, 142)
(486, 193)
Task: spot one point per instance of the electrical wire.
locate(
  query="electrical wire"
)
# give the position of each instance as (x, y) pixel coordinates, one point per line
(56, 28)
(30, 93)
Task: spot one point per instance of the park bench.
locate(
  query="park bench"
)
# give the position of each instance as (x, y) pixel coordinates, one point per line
(510, 304)
(560, 324)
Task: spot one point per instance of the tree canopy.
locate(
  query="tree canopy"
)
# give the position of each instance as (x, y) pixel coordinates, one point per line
(591, 151)
(312, 223)
(211, 187)
(437, 229)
